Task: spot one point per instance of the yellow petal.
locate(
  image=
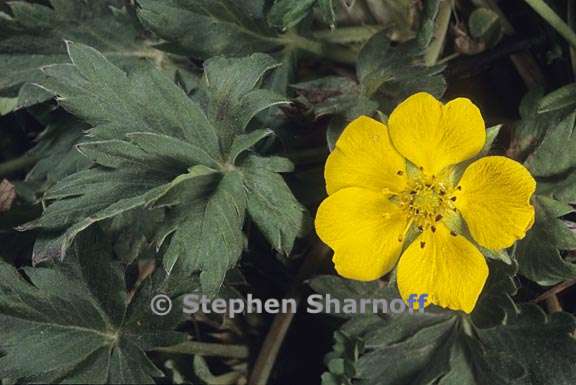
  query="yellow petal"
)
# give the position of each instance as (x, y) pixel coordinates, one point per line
(365, 157)
(434, 136)
(446, 267)
(495, 201)
(364, 229)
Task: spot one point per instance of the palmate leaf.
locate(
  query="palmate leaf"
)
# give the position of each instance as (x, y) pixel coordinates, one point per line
(34, 35)
(154, 147)
(80, 309)
(524, 346)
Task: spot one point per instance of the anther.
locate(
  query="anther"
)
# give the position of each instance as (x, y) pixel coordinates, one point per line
(400, 173)
(420, 228)
(452, 233)
(453, 199)
(442, 192)
(433, 229)
(422, 244)
(438, 217)
(459, 188)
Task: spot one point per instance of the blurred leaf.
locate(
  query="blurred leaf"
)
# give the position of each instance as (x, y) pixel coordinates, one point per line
(79, 309)
(155, 148)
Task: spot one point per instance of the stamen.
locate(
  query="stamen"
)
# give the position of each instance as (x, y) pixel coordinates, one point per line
(452, 233)
(433, 229)
(422, 244)
(453, 199)
(400, 173)
(438, 217)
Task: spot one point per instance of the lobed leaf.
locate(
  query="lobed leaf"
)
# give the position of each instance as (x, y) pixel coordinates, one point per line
(80, 310)
(155, 148)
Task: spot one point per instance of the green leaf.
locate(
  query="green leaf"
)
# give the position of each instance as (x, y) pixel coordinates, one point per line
(562, 98)
(80, 310)
(155, 148)
(539, 254)
(203, 28)
(211, 227)
(34, 37)
(534, 125)
(271, 204)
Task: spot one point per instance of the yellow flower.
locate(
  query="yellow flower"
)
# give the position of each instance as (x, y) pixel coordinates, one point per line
(387, 182)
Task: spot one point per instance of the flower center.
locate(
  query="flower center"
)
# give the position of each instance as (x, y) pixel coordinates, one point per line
(426, 201)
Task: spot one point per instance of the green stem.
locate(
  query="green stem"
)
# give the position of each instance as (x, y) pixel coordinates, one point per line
(347, 35)
(554, 20)
(207, 349)
(332, 52)
(17, 164)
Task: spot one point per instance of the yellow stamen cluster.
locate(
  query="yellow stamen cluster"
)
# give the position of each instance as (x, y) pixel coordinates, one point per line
(426, 201)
